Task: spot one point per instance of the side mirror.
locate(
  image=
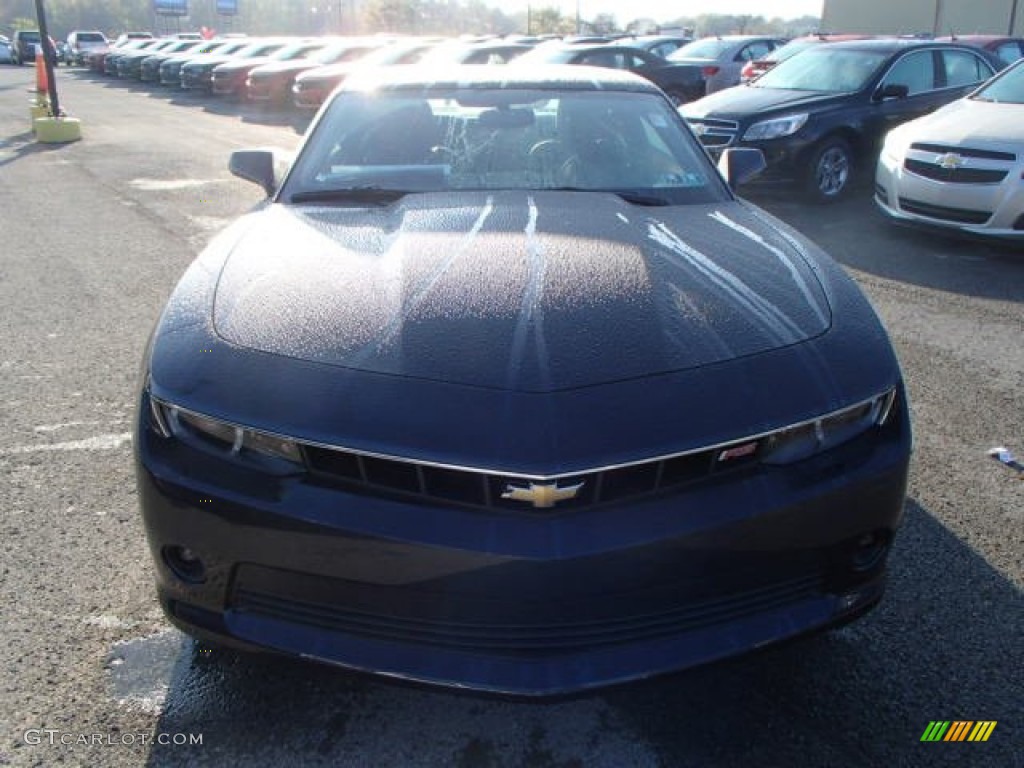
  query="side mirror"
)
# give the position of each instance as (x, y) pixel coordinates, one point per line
(892, 91)
(256, 165)
(740, 164)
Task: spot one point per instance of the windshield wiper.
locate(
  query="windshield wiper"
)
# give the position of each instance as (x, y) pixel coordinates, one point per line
(373, 195)
(636, 198)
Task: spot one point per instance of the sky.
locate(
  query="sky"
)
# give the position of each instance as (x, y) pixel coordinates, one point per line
(667, 10)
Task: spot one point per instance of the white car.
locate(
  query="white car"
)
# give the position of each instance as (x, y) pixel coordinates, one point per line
(961, 167)
(6, 51)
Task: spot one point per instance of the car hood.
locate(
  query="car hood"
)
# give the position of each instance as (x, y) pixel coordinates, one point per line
(742, 100)
(536, 292)
(971, 122)
(207, 60)
(284, 67)
(240, 64)
(328, 72)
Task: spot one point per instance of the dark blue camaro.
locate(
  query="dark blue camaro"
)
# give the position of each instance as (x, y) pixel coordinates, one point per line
(504, 389)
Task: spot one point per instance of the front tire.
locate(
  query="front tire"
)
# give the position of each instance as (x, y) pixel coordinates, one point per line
(829, 171)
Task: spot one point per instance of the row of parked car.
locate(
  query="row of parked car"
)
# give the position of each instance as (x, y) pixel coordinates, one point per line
(819, 107)
(939, 123)
(279, 69)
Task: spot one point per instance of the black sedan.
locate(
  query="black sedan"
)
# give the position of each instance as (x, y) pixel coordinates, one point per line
(820, 116)
(503, 388)
(681, 81)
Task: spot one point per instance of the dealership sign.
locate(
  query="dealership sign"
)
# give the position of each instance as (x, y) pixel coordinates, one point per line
(227, 7)
(170, 7)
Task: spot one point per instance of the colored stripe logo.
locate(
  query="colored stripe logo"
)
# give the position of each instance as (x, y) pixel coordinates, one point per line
(959, 730)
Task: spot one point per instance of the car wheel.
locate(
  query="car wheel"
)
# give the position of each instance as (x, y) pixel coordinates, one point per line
(829, 171)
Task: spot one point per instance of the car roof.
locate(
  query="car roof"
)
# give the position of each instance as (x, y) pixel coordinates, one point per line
(543, 77)
(651, 38)
(972, 38)
(834, 37)
(894, 44)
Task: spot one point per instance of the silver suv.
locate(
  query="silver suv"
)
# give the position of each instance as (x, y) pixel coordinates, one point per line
(83, 42)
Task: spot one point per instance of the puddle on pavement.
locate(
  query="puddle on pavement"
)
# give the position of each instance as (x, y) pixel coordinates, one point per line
(141, 670)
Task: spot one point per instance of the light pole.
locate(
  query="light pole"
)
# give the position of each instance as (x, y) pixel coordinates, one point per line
(578, 28)
(1013, 17)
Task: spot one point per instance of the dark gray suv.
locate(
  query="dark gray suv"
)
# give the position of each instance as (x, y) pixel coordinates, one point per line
(23, 46)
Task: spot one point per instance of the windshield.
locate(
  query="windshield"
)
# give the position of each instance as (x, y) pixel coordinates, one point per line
(1008, 88)
(296, 51)
(824, 68)
(546, 54)
(708, 48)
(394, 54)
(790, 49)
(259, 49)
(474, 139)
(335, 54)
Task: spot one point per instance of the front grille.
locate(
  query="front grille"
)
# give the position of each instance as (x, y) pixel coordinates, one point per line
(713, 132)
(980, 154)
(959, 215)
(356, 609)
(382, 475)
(954, 175)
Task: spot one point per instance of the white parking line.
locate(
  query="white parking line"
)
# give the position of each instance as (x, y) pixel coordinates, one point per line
(110, 442)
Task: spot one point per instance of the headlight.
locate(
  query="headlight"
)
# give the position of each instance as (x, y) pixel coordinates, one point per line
(894, 147)
(805, 440)
(220, 436)
(775, 128)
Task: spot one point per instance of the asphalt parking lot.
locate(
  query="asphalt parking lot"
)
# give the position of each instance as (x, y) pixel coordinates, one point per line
(93, 236)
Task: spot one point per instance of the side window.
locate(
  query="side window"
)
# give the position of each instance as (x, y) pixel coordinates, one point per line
(754, 51)
(915, 70)
(964, 68)
(1009, 52)
(602, 59)
(664, 49)
(636, 62)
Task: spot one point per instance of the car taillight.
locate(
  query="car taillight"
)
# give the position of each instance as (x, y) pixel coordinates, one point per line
(709, 71)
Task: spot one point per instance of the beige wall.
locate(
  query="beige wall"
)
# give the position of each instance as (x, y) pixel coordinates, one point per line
(909, 16)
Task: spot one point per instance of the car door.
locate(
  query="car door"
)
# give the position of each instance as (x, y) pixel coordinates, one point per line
(917, 71)
(962, 71)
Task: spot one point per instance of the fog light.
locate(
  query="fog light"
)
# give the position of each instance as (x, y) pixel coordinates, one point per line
(185, 564)
(869, 551)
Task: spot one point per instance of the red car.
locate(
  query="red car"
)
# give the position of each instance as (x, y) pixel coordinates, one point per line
(312, 87)
(754, 69)
(1008, 49)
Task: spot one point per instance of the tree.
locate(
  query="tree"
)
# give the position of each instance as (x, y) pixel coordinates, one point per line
(550, 21)
(392, 15)
(604, 24)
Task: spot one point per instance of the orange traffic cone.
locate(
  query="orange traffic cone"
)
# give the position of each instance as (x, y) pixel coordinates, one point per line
(42, 83)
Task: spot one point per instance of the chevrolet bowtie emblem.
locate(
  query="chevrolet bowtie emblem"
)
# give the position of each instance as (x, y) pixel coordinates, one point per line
(542, 495)
(950, 161)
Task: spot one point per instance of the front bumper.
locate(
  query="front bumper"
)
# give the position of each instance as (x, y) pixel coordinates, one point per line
(529, 604)
(308, 96)
(196, 81)
(228, 85)
(266, 90)
(979, 210)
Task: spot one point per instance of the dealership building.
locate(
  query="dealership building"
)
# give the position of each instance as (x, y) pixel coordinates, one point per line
(938, 17)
